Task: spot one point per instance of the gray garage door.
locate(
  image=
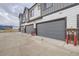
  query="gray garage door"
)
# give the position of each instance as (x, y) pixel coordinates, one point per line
(53, 29)
(29, 28)
(78, 26)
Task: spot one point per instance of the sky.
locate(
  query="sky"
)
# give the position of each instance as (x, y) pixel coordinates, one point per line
(9, 12)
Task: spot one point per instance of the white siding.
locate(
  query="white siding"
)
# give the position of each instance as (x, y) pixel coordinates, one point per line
(70, 13)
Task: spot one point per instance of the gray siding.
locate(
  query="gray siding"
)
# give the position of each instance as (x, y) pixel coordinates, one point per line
(53, 29)
(54, 7)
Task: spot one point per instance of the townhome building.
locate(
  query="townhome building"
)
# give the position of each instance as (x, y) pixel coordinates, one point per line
(53, 20)
(20, 21)
(23, 18)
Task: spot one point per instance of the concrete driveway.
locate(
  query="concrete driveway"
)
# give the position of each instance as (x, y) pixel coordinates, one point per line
(22, 44)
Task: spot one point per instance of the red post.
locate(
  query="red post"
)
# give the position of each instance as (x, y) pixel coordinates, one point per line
(67, 38)
(75, 39)
(33, 33)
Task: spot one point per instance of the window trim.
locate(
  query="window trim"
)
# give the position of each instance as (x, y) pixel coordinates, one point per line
(48, 7)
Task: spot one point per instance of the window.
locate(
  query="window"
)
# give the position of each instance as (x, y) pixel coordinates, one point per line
(47, 5)
(26, 16)
(23, 18)
(38, 7)
(31, 13)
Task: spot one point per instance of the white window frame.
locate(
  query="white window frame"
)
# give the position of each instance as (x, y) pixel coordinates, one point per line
(48, 5)
(38, 7)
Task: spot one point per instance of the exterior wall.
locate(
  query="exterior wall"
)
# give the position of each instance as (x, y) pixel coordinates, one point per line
(25, 16)
(23, 20)
(36, 12)
(46, 10)
(54, 7)
(70, 14)
(22, 28)
(20, 18)
(20, 21)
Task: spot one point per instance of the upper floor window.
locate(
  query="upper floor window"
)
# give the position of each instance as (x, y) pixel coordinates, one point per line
(23, 18)
(32, 13)
(38, 7)
(26, 16)
(47, 5)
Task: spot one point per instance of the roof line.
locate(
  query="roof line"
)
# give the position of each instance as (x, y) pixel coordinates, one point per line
(32, 6)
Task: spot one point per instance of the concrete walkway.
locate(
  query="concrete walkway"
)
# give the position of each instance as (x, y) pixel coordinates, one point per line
(22, 44)
(58, 43)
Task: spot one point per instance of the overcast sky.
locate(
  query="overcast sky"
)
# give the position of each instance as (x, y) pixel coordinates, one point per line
(9, 12)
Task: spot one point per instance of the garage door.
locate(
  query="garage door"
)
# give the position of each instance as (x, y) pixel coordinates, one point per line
(22, 28)
(78, 26)
(29, 28)
(52, 29)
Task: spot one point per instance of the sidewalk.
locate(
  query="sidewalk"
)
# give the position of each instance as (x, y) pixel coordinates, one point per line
(58, 43)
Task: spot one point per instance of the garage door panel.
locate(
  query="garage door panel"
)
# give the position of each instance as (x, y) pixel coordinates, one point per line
(78, 26)
(29, 28)
(54, 29)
